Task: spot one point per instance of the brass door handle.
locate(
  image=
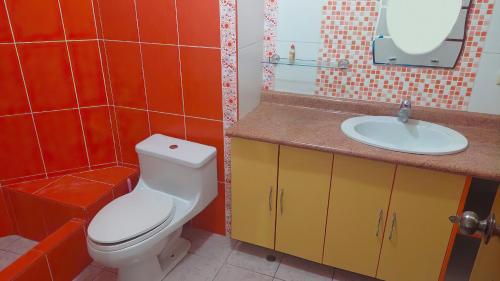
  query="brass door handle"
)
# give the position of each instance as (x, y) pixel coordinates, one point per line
(380, 217)
(270, 199)
(282, 192)
(393, 226)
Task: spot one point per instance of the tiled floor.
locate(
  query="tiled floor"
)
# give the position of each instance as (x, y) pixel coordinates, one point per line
(12, 247)
(216, 258)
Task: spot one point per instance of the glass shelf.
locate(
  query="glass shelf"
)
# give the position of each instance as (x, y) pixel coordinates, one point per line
(340, 64)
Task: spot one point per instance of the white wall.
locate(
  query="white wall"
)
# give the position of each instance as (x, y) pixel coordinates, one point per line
(486, 94)
(250, 49)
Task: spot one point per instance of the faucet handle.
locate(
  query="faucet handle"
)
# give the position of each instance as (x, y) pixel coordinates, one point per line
(406, 103)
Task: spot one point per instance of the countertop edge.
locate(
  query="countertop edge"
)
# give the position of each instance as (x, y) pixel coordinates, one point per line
(429, 166)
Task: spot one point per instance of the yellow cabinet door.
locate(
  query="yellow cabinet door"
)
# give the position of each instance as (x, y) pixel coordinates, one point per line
(303, 190)
(359, 199)
(418, 230)
(487, 263)
(254, 170)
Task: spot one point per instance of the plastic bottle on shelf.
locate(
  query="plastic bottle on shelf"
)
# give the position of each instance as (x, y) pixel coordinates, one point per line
(291, 54)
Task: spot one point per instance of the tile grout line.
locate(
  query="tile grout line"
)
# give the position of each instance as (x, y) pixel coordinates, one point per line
(21, 70)
(142, 64)
(74, 83)
(92, 180)
(110, 40)
(53, 174)
(104, 78)
(48, 266)
(168, 113)
(164, 44)
(48, 41)
(180, 67)
(110, 86)
(55, 110)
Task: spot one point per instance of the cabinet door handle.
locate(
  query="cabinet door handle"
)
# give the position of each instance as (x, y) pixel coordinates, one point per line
(270, 199)
(282, 192)
(393, 226)
(380, 217)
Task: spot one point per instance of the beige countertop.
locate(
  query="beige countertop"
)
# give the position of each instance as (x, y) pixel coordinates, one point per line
(314, 123)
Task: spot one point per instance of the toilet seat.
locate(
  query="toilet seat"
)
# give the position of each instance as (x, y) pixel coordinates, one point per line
(131, 216)
(420, 26)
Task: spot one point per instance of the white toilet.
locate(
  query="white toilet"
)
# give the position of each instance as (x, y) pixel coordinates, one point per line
(139, 233)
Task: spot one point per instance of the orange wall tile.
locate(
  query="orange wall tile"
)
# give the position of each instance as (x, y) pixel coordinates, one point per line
(48, 76)
(201, 81)
(89, 80)
(63, 148)
(155, 13)
(138, 67)
(163, 79)
(173, 89)
(46, 12)
(6, 222)
(199, 22)
(5, 35)
(19, 153)
(124, 62)
(78, 19)
(98, 134)
(132, 128)
(13, 94)
(50, 89)
(118, 19)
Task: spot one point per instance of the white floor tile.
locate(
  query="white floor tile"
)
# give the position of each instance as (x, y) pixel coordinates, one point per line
(7, 240)
(21, 246)
(232, 273)
(296, 269)
(253, 258)
(342, 275)
(89, 274)
(6, 258)
(206, 244)
(195, 268)
(106, 276)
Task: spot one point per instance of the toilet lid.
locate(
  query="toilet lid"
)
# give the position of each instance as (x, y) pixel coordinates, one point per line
(421, 26)
(130, 216)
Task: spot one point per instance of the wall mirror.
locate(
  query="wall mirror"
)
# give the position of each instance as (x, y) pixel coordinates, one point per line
(344, 49)
(292, 51)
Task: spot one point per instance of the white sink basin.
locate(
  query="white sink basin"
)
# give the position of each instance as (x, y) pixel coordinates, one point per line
(418, 137)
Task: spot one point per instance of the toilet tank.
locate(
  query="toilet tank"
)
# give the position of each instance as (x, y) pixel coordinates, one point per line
(180, 168)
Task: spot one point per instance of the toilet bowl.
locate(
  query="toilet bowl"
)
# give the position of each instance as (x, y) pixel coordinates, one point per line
(139, 233)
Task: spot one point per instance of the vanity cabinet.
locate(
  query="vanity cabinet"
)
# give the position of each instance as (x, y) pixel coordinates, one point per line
(359, 201)
(418, 231)
(378, 219)
(254, 181)
(303, 190)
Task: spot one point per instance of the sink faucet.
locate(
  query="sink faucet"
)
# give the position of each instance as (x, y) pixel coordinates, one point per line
(404, 111)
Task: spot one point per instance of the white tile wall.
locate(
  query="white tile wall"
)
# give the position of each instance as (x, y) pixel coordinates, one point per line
(250, 22)
(249, 77)
(486, 94)
(250, 50)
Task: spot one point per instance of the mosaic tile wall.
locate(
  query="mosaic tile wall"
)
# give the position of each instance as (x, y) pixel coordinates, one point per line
(229, 91)
(347, 31)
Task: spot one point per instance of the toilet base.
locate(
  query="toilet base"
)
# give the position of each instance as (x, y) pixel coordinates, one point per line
(169, 260)
(156, 268)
